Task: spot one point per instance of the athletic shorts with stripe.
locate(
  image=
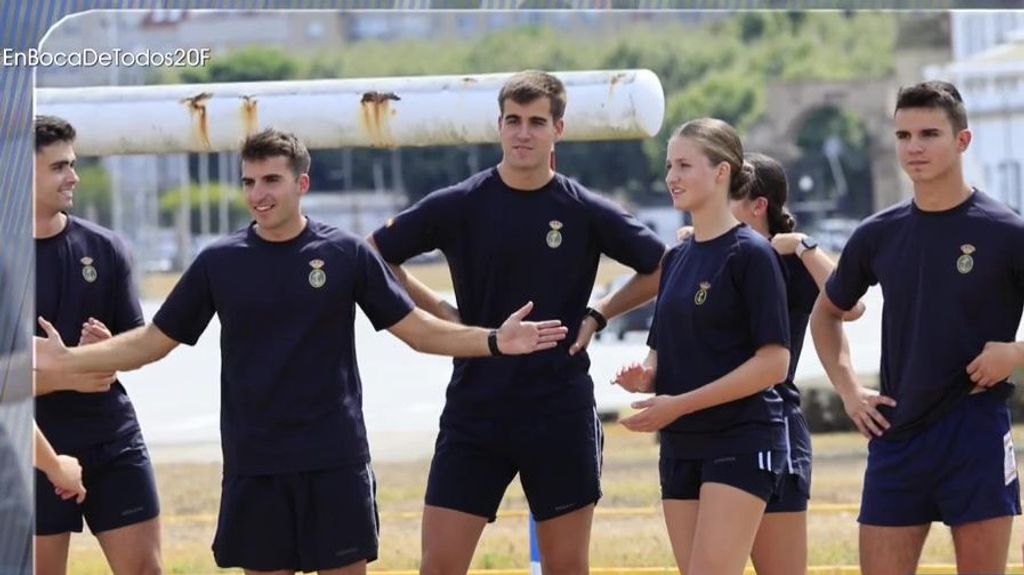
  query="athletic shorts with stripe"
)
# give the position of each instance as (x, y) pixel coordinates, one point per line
(756, 473)
(960, 469)
(795, 487)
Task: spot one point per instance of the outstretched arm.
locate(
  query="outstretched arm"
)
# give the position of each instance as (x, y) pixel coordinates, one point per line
(93, 330)
(424, 297)
(49, 381)
(127, 351)
(428, 334)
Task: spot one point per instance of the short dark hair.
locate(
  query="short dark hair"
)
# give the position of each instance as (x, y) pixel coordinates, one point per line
(935, 94)
(51, 129)
(526, 86)
(272, 143)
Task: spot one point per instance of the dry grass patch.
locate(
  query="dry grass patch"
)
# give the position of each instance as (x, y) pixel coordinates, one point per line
(621, 537)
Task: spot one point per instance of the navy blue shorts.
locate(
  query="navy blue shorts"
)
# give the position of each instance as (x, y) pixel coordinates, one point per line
(958, 470)
(120, 486)
(795, 488)
(306, 521)
(558, 459)
(756, 473)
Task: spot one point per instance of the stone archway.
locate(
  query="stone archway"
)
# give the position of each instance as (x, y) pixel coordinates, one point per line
(789, 104)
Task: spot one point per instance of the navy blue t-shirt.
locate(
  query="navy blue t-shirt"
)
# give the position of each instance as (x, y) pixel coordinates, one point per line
(291, 398)
(719, 301)
(801, 292)
(951, 281)
(84, 272)
(506, 247)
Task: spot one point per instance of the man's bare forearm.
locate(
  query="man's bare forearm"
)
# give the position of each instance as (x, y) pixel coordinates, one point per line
(428, 334)
(47, 382)
(819, 265)
(127, 351)
(637, 291)
(425, 298)
(832, 346)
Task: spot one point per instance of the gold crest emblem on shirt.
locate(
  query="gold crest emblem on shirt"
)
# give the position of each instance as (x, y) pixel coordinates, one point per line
(317, 277)
(965, 263)
(554, 237)
(702, 294)
(88, 271)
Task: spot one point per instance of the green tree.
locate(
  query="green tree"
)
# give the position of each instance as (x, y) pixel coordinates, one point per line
(248, 65)
(92, 194)
(170, 203)
(829, 121)
(719, 69)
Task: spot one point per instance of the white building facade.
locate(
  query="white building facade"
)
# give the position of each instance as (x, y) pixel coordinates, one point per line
(988, 68)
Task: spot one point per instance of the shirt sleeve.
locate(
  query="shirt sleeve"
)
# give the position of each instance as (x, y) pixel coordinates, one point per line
(1017, 261)
(800, 286)
(426, 225)
(764, 296)
(622, 237)
(189, 308)
(853, 275)
(652, 340)
(127, 311)
(377, 291)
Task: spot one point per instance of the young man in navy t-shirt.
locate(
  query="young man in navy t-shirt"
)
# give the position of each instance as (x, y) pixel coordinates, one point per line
(950, 262)
(520, 230)
(298, 491)
(84, 286)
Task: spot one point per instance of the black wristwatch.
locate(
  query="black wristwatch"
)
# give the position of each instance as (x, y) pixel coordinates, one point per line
(492, 342)
(808, 243)
(598, 317)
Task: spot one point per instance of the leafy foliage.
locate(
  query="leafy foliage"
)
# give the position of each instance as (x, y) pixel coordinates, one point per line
(720, 68)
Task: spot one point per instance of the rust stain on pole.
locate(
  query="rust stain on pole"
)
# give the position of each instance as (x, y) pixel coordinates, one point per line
(197, 110)
(250, 115)
(613, 81)
(375, 117)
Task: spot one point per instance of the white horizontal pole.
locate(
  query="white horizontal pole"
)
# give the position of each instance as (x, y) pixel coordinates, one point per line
(375, 112)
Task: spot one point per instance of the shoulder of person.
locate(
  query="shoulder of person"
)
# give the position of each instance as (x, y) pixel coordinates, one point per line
(999, 213)
(479, 181)
(236, 239)
(674, 252)
(337, 237)
(91, 229)
(749, 240)
(99, 237)
(586, 196)
(894, 215)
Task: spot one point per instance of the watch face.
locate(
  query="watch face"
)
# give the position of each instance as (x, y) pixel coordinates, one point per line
(809, 243)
